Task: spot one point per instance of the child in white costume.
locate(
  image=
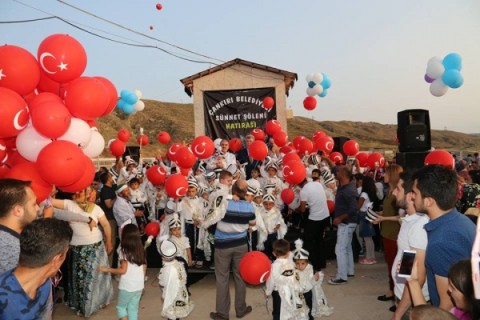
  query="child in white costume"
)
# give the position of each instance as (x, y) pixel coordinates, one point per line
(274, 226)
(310, 283)
(284, 285)
(173, 281)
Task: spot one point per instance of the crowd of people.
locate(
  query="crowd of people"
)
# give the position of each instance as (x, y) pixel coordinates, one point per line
(233, 205)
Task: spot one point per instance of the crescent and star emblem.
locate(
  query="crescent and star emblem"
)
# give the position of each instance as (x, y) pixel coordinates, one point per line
(265, 274)
(179, 190)
(196, 149)
(16, 124)
(42, 57)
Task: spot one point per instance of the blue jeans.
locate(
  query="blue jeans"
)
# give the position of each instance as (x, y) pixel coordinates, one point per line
(127, 305)
(343, 250)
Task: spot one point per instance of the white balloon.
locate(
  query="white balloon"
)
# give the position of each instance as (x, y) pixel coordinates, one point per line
(96, 145)
(438, 88)
(139, 94)
(317, 78)
(139, 106)
(311, 91)
(309, 78)
(435, 68)
(79, 133)
(29, 143)
(318, 89)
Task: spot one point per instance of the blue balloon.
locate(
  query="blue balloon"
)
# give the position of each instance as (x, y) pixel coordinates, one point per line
(128, 96)
(129, 108)
(124, 93)
(452, 78)
(326, 83)
(324, 93)
(311, 84)
(452, 61)
(121, 104)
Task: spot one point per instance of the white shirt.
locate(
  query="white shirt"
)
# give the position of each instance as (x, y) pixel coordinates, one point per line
(314, 195)
(81, 230)
(134, 279)
(367, 203)
(411, 236)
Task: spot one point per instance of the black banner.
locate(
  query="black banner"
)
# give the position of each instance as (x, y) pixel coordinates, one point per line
(234, 113)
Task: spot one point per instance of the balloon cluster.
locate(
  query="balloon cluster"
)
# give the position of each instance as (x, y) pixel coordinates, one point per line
(130, 101)
(444, 73)
(47, 115)
(318, 85)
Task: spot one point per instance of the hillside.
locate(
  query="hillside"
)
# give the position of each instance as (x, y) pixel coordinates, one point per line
(177, 119)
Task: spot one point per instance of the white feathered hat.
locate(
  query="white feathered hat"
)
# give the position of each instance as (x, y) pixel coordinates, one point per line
(299, 252)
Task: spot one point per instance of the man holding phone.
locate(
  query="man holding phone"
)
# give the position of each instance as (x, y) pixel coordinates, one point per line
(450, 233)
(411, 237)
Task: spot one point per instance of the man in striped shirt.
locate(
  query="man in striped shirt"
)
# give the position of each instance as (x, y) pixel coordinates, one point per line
(230, 246)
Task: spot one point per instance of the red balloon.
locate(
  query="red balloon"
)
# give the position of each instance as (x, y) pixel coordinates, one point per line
(159, 6)
(287, 196)
(123, 135)
(351, 147)
(441, 157)
(48, 85)
(61, 163)
(325, 144)
(280, 139)
(172, 151)
(152, 229)
(310, 103)
(42, 98)
(3, 149)
(292, 156)
(87, 98)
(258, 150)
(156, 175)
(287, 149)
(294, 172)
(296, 141)
(319, 134)
(305, 146)
(362, 158)
(235, 145)
(29, 172)
(202, 147)
(51, 119)
(185, 158)
(331, 206)
(14, 158)
(176, 186)
(84, 181)
(4, 169)
(258, 134)
(273, 127)
(255, 267)
(92, 124)
(112, 93)
(376, 160)
(62, 57)
(184, 171)
(14, 113)
(117, 148)
(268, 103)
(11, 143)
(163, 137)
(142, 139)
(151, 27)
(336, 157)
(20, 71)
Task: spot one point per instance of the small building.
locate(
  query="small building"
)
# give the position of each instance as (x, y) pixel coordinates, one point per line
(228, 98)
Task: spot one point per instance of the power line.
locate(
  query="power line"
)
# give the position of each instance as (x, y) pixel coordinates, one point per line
(137, 32)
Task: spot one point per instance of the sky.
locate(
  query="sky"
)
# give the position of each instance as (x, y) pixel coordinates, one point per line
(374, 51)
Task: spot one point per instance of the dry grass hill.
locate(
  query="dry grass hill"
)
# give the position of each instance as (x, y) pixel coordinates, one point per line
(177, 119)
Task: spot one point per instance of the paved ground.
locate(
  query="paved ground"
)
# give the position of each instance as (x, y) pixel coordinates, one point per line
(355, 300)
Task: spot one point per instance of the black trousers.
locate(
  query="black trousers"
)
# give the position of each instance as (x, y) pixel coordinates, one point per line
(277, 303)
(309, 301)
(314, 235)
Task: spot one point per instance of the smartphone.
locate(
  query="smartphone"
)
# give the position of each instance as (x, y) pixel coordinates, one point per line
(408, 257)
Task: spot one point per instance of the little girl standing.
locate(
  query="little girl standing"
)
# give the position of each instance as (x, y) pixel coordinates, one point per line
(132, 273)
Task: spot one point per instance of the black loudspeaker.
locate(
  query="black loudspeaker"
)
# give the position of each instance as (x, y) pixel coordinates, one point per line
(413, 130)
(338, 146)
(133, 152)
(411, 160)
